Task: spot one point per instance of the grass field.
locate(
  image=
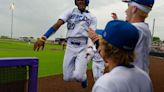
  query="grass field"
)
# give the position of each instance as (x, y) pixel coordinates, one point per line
(50, 60)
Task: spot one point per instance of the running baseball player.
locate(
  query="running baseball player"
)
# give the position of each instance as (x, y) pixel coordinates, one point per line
(137, 12)
(117, 50)
(78, 21)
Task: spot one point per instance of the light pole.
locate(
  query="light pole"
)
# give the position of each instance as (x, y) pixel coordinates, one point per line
(153, 28)
(12, 7)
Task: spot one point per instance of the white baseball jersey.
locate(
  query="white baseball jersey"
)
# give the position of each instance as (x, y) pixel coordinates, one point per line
(143, 46)
(75, 61)
(123, 79)
(78, 23)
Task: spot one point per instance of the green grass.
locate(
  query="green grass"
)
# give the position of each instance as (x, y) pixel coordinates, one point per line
(50, 61)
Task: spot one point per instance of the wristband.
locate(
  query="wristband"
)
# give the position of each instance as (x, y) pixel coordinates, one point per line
(49, 32)
(97, 44)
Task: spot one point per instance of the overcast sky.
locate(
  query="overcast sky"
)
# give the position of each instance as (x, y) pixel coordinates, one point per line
(34, 17)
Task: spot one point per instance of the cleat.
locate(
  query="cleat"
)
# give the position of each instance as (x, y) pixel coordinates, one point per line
(84, 83)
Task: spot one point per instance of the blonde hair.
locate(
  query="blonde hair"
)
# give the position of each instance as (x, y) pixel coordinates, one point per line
(142, 13)
(119, 56)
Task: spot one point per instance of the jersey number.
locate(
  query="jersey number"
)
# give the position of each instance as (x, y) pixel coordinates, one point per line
(70, 26)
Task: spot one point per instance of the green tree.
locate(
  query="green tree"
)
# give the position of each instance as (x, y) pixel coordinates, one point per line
(156, 39)
(4, 37)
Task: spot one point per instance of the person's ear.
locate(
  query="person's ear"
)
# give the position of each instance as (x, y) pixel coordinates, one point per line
(106, 70)
(134, 9)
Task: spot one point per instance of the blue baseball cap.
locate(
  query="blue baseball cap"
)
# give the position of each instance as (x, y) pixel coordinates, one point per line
(148, 3)
(121, 34)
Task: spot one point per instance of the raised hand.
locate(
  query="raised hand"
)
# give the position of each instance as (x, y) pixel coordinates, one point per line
(114, 16)
(92, 34)
(39, 44)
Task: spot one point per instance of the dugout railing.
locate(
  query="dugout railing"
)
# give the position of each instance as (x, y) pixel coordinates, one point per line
(22, 66)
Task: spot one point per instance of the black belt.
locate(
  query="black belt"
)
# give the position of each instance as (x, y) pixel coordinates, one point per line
(75, 43)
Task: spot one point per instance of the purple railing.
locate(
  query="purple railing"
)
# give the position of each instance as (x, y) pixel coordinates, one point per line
(32, 62)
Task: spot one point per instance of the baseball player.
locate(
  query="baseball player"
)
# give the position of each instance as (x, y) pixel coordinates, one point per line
(137, 12)
(117, 50)
(98, 63)
(78, 21)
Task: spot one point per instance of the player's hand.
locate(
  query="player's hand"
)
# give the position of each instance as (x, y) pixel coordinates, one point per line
(114, 16)
(39, 44)
(92, 34)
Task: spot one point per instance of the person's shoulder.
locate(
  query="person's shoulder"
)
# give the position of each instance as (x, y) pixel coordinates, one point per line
(142, 27)
(141, 72)
(70, 10)
(106, 78)
(91, 14)
(106, 82)
(139, 23)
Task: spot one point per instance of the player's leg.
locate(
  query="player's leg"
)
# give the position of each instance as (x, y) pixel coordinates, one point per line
(81, 69)
(101, 68)
(94, 70)
(69, 63)
(97, 66)
(97, 69)
(80, 66)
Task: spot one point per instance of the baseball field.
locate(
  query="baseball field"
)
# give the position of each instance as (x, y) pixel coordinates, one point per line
(50, 60)
(50, 67)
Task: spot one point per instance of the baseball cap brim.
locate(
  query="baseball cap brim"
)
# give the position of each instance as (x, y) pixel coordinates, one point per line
(126, 0)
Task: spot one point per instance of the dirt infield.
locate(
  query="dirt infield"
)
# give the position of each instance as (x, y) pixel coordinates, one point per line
(56, 83)
(157, 73)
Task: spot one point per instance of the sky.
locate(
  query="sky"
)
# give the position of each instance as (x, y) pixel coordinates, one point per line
(32, 18)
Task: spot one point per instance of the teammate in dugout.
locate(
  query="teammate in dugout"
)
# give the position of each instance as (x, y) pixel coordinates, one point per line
(137, 12)
(78, 21)
(116, 47)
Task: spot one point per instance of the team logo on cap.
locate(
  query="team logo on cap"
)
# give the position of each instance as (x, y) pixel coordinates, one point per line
(104, 34)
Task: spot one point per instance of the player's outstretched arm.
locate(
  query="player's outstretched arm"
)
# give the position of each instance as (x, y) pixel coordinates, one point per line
(92, 35)
(41, 41)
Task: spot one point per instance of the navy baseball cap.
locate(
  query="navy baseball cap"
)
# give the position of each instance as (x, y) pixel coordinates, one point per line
(121, 34)
(148, 3)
